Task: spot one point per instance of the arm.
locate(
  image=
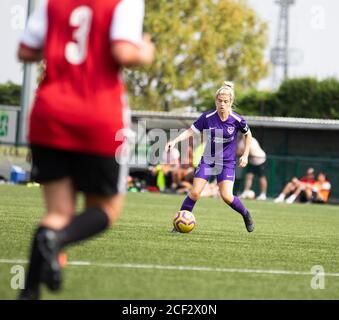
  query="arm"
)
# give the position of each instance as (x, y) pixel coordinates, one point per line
(244, 158)
(26, 54)
(240, 146)
(183, 136)
(129, 46)
(127, 54)
(33, 38)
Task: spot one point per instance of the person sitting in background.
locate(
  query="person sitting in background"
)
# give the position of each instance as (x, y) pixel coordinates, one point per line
(256, 166)
(164, 171)
(183, 170)
(186, 184)
(198, 153)
(320, 191)
(296, 186)
(211, 189)
(193, 158)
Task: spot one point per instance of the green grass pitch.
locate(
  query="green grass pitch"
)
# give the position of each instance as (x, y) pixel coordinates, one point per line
(139, 258)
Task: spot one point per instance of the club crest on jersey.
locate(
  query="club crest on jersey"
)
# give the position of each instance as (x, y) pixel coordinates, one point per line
(230, 130)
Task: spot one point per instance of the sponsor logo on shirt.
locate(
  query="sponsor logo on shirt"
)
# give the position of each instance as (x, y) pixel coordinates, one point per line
(222, 140)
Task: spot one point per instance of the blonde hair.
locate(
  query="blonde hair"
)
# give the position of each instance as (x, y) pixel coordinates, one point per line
(226, 88)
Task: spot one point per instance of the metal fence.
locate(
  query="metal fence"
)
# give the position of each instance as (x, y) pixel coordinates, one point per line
(280, 170)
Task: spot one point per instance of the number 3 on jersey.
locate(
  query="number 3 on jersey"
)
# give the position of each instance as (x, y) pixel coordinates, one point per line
(80, 18)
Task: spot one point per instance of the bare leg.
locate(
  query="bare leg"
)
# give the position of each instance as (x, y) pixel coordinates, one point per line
(263, 184)
(175, 179)
(198, 186)
(308, 194)
(226, 191)
(194, 194)
(263, 188)
(248, 181)
(290, 187)
(184, 187)
(60, 203)
(60, 206)
(295, 194)
(111, 205)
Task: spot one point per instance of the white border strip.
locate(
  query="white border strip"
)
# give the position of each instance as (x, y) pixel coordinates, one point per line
(195, 130)
(179, 268)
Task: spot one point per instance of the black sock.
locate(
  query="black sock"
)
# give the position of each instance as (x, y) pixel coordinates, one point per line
(89, 223)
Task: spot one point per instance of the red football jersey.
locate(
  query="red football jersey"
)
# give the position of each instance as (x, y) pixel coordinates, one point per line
(80, 104)
(307, 179)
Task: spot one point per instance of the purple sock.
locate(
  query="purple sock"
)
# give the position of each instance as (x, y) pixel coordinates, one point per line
(188, 204)
(238, 206)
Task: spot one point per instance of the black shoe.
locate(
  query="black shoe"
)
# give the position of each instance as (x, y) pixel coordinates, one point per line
(31, 290)
(26, 294)
(51, 269)
(248, 222)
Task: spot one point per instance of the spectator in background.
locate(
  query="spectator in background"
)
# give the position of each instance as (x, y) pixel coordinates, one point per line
(256, 166)
(186, 184)
(296, 186)
(184, 169)
(211, 189)
(320, 191)
(164, 171)
(198, 153)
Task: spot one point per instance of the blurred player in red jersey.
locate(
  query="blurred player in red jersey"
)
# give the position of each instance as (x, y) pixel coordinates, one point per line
(79, 111)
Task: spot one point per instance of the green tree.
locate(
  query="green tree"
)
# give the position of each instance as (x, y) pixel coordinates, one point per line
(309, 98)
(329, 99)
(199, 45)
(10, 94)
(298, 98)
(257, 103)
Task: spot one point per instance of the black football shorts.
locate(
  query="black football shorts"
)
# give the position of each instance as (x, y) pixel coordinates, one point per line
(91, 174)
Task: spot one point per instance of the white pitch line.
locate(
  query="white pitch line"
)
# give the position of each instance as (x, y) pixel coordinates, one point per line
(180, 268)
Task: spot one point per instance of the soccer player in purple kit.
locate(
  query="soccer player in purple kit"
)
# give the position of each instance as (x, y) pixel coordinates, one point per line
(219, 158)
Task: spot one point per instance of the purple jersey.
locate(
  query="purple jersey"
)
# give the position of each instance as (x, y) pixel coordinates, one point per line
(221, 137)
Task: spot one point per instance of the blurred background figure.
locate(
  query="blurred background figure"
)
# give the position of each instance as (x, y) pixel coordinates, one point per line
(211, 189)
(184, 172)
(296, 186)
(164, 172)
(256, 166)
(185, 184)
(320, 191)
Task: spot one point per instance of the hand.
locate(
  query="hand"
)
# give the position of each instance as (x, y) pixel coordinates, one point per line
(243, 161)
(170, 145)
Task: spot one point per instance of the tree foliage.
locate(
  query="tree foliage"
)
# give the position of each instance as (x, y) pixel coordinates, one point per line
(10, 94)
(301, 97)
(199, 45)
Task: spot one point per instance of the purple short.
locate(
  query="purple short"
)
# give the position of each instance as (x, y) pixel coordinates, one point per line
(222, 172)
